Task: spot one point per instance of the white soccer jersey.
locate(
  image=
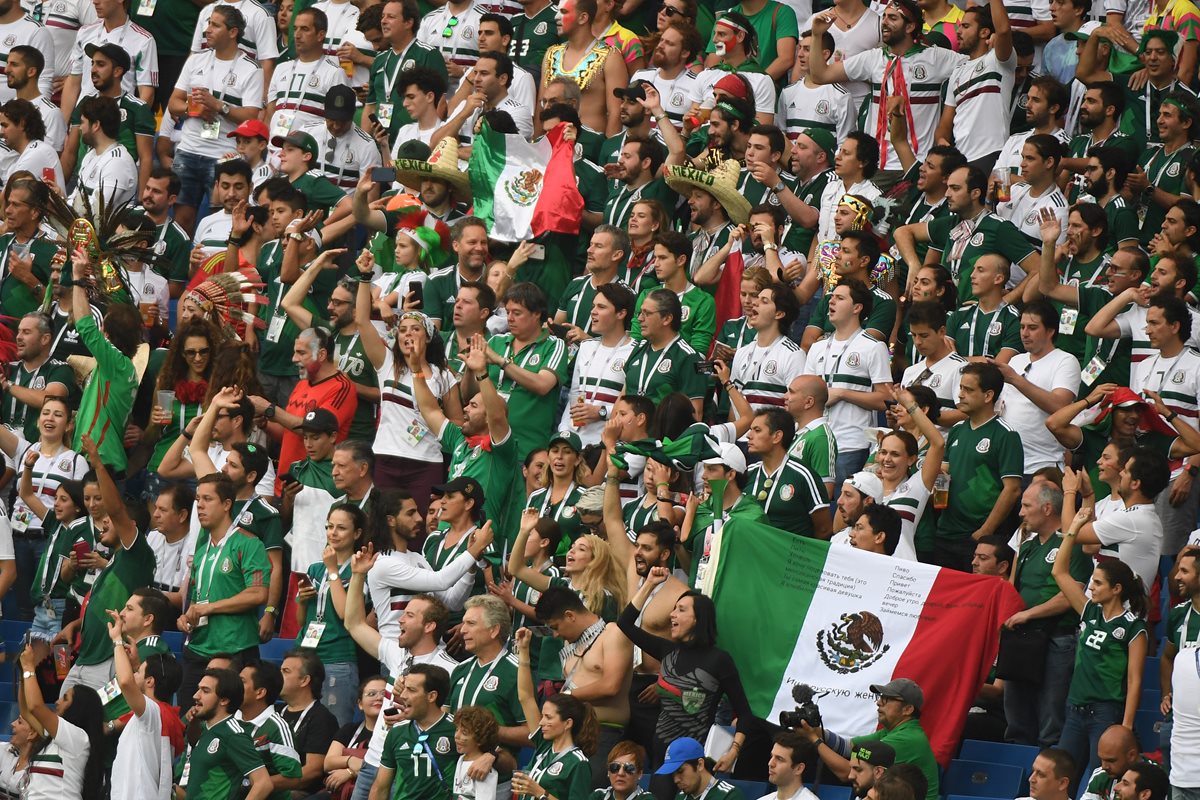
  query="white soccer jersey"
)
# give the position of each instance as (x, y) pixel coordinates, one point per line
(238, 82)
(414, 132)
(910, 500)
(27, 31)
(112, 175)
(1176, 379)
(212, 232)
(142, 765)
(56, 128)
(1010, 151)
(1056, 369)
(1132, 322)
(130, 37)
(979, 93)
(598, 378)
(862, 37)
(170, 568)
(942, 377)
(1025, 211)
(826, 107)
(454, 35)
(763, 373)
(1136, 12)
(521, 115)
(676, 93)
(148, 287)
(258, 40)
(48, 472)
(1134, 535)
(63, 19)
(342, 19)
(761, 83)
(855, 364)
(298, 89)
(523, 89)
(37, 156)
(343, 159)
(397, 576)
(926, 70)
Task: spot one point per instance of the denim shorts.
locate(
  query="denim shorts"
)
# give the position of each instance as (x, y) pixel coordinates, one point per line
(196, 175)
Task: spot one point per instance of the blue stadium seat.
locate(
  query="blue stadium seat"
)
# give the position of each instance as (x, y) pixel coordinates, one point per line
(524, 757)
(1146, 724)
(981, 779)
(830, 792)
(275, 649)
(751, 790)
(1013, 755)
(645, 781)
(1151, 678)
(969, 797)
(7, 693)
(174, 640)
(1151, 700)
(8, 712)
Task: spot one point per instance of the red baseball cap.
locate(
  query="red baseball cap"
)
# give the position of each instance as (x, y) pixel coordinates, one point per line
(251, 127)
(734, 85)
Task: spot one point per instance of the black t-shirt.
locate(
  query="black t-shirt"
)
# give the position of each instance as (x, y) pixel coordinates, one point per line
(315, 731)
(353, 735)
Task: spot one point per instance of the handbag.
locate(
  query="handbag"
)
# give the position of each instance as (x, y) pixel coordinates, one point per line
(1022, 655)
(345, 791)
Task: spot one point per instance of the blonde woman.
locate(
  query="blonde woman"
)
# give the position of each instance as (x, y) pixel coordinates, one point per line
(562, 485)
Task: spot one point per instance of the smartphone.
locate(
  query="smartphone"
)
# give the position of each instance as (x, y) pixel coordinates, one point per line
(538, 252)
(303, 579)
(48, 174)
(391, 712)
(287, 477)
(540, 630)
(383, 174)
(375, 119)
(81, 549)
(417, 290)
(706, 367)
(558, 330)
(889, 403)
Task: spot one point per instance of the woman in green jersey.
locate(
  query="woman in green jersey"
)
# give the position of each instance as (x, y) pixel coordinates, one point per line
(562, 486)
(321, 609)
(563, 733)
(50, 590)
(1111, 654)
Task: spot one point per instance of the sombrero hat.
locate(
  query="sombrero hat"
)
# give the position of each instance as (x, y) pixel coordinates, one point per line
(442, 165)
(721, 183)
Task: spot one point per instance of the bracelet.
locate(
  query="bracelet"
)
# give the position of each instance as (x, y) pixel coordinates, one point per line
(187, 436)
(911, 409)
(118, 643)
(485, 376)
(269, 610)
(1171, 417)
(738, 745)
(662, 483)
(613, 481)
(729, 387)
(364, 277)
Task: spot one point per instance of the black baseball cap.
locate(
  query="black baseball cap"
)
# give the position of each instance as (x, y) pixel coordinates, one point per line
(320, 420)
(340, 103)
(114, 53)
(468, 487)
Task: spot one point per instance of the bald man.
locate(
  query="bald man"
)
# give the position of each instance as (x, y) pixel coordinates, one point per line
(814, 446)
(1117, 750)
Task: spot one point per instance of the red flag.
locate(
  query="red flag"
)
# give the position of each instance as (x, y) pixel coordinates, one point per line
(728, 294)
(559, 209)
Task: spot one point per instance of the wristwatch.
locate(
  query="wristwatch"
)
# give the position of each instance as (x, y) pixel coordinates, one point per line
(779, 187)
(603, 412)
(269, 411)
(26, 675)
(770, 246)
(1193, 470)
(293, 235)
(225, 109)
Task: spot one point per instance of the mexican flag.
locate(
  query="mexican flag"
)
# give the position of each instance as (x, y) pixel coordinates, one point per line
(523, 189)
(794, 610)
(728, 296)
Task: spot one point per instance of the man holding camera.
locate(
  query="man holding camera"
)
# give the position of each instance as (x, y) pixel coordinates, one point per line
(899, 707)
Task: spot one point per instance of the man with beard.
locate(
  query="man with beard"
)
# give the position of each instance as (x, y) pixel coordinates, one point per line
(869, 762)
(729, 127)
(635, 116)
(420, 745)
(606, 253)
(807, 104)
(711, 239)
(1146, 781)
(1179, 674)
(1160, 179)
(636, 178)
(1100, 115)
(172, 245)
(347, 346)
(595, 67)
(927, 201)
(1107, 170)
(17, 27)
(859, 492)
(23, 72)
(678, 45)
(107, 175)
(224, 754)
(1046, 106)
(1117, 750)
(469, 240)
(925, 71)
(737, 48)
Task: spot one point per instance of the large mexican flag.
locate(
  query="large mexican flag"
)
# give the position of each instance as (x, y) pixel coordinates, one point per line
(796, 610)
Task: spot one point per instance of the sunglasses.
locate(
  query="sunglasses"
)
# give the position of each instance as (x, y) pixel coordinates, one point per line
(670, 12)
(448, 31)
(617, 767)
(203, 351)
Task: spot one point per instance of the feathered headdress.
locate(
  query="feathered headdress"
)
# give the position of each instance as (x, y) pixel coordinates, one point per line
(226, 298)
(95, 229)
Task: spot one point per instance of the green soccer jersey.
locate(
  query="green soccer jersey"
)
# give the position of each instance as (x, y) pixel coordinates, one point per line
(220, 571)
(348, 354)
(717, 790)
(173, 263)
(322, 622)
(222, 756)
(735, 332)
(563, 512)
(423, 760)
(1183, 626)
(799, 238)
(656, 373)
(1113, 357)
(494, 464)
(789, 495)
(137, 119)
(130, 568)
(532, 36)
(277, 341)
(911, 744)
(16, 298)
(532, 416)
(915, 209)
(1102, 655)
(23, 417)
(744, 508)
(1166, 171)
(816, 449)
(984, 333)
(1122, 224)
(261, 519)
(1035, 559)
(322, 193)
(699, 317)
(576, 302)
(272, 738)
(48, 581)
(170, 22)
(383, 90)
(441, 290)
(962, 243)
(1083, 143)
(1140, 119)
(621, 199)
(566, 775)
(759, 193)
(492, 686)
(980, 458)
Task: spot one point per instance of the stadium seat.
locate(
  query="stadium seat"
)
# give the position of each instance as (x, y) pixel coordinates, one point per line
(1151, 678)
(8, 712)
(981, 779)
(645, 781)
(1013, 755)
(831, 792)
(751, 790)
(1151, 700)
(275, 649)
(969, 797)
(524, 757)
(7, 693)
(174, 640)
(1146, 724)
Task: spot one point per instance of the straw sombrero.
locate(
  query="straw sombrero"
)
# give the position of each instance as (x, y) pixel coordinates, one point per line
(442, 165)
(721, 183)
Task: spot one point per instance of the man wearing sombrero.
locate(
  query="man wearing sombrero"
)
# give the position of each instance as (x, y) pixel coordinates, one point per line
(443, 187)
(716, 207)
(909, 69)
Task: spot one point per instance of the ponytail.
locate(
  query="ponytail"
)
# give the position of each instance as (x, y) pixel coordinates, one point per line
(1133, 592)
(585, 728)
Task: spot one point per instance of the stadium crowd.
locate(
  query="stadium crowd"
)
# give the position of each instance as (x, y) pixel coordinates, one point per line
(316, 485)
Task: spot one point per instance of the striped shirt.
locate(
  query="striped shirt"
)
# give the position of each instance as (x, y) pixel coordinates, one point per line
(597, 379)
(453, 34)
(62, 19)
(130, 37)
(763, 373)
(826, 107)
(258, 41)
(298, 90)
(1132, 322)
(402, 431)
(942, 377)
(855, 364)
(979, 91)
(909, 500)
(1181, 16)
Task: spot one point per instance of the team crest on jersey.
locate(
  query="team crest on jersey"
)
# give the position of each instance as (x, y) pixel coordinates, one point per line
(60, 7)
(492, 683)
(852, 360)
(823, 107)
(787, 492)
(246, 518)
(569, 512)
(214, 746)
(1031, 218)
(677, 99)
(1172, 172)
(665, 366)
(919, 72)
(977, 240)
(618, 365)
(38, 383)
(541, 28)
(349, 159)
(979, 67)
(9, 41)
(226, 566)
(555, 768)
(1051, 556)
(64, 465)
(468, 34)
(935, 381)
(771, 368)
(687, 312)
(1177, 377)
(1023, 101)
(313, 80)
(983, 446)
(230, 79)
(902, 488)
(535, 359)
(408, 64)
(443, 745)
(578, 150)
(773, 199)
(1119, 633)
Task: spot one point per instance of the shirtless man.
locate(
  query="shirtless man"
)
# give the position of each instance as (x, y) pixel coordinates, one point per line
(653, 547)
(596, 68)
(595, 668)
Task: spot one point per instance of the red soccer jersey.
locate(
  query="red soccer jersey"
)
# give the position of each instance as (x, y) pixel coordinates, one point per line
(336, 393)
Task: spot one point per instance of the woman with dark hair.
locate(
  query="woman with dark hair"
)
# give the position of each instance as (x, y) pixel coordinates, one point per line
(184, 379)
(321, 623)
(899, 454)
(69, 762)
(407, 452)
(14, 757)
(50, 588)
(1110, 658)
(24, 130)
(690, 660)
(563, 733)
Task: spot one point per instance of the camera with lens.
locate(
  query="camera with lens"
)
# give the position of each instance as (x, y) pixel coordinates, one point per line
(807, 711)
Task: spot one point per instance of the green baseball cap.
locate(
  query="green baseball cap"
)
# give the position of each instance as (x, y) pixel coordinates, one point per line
(571, 439)
(300, 140)
(824, 140)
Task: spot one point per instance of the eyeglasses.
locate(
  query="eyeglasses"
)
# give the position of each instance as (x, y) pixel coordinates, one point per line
(373, 692)
(645, 312)
(616, 767)
(333, 301)
(671, 11)
(448, 31)
(203, 351)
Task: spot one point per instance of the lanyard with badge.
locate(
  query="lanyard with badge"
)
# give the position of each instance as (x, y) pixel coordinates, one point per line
(548, 504)
(23, 518)
(837, 365)
(769, 488)
(993, 328)
(479, 687)
(210, 560)
(642, 385)
(442, 558)
(287, 108)
(279, 317)
(589, 384)
(386, 107)
(212, 130)
(545, 763)
(623, 204)
(316, 628)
